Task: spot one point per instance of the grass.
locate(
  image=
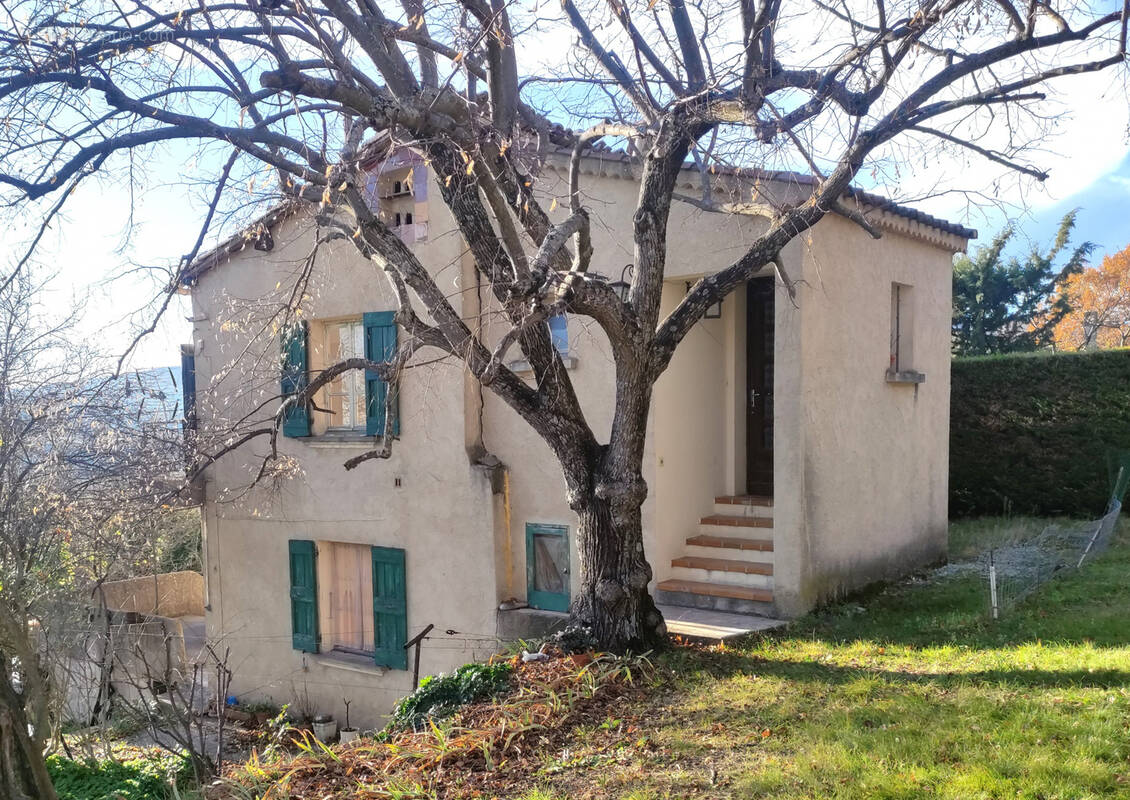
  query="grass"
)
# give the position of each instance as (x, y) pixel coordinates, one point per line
(909, 692)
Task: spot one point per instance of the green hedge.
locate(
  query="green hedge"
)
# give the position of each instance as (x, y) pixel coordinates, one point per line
(1034, 433)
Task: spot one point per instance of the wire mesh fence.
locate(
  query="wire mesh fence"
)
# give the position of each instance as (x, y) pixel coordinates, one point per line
(1014, 572)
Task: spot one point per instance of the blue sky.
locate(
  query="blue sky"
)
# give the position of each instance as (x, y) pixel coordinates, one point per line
(1104, 212)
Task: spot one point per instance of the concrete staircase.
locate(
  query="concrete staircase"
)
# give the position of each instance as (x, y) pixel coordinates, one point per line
(728, 565)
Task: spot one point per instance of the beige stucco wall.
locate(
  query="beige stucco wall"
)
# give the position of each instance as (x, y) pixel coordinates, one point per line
(871, 457)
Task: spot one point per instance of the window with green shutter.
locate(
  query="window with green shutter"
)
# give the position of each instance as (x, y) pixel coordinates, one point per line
(380, 345)
(296, 422)
(188, 385)
(304, 595)
(390, 608)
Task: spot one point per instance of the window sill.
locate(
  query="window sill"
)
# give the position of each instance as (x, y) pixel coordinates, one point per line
(350, 662)
(906, 376)
(522, 367)
(335, 439)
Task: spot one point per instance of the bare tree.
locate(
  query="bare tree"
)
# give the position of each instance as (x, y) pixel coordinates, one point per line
(77, 458)
(296, 95)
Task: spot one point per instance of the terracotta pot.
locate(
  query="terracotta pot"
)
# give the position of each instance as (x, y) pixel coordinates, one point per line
(581, 659)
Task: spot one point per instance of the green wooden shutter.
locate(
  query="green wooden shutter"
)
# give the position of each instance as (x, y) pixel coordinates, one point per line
(380, 345)
(304, 595)
(390, 608)
(294, 367)
(188, 385)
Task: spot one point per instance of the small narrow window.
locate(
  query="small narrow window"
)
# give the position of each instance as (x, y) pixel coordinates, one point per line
(559, 333)
(396, 187)
(408, 218)
(396, 220)
(902, 330)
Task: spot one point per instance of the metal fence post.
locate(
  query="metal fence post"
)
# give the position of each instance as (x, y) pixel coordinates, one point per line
(417, 640)
(993, 586)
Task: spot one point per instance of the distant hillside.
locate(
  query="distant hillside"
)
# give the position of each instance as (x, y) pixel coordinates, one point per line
(154, 391)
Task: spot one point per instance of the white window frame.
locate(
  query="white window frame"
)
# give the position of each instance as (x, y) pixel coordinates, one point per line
(353, 381)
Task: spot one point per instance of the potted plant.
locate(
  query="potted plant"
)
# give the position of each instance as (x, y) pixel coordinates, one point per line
(325, 727)
(232, 710)
(348, 733)
(261, 712)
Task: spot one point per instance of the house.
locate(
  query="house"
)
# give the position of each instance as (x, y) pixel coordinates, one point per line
(797, 447)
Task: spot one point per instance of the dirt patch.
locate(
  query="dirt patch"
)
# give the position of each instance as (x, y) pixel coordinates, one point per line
(488, 749)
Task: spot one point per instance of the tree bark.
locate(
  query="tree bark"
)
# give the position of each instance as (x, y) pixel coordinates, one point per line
(23, 771)
(613, 601)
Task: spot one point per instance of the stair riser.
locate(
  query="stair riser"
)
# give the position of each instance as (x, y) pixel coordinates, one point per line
(729, 604)
(723, 577)
(738, 510)
(764, 556)
(736, 530)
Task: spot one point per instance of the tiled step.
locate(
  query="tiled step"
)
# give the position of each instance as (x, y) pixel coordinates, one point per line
(731, 542)
(762, 556)
(744, 506)
(744, 500)
(755, 574)
(726, 510)
(752, 580)
(747, 593)
(724, 565)
(726, 521)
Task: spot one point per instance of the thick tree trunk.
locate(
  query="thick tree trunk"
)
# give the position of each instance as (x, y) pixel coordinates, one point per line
(613, 601)
(23, 771)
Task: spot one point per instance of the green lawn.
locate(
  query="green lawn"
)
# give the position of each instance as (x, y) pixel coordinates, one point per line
(907, 693)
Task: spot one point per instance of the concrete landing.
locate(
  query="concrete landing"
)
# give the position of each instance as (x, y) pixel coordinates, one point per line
(714, 626)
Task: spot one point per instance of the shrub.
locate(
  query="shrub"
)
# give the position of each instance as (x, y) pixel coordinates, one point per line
(440, 696)
(1034, 433)
(137, 779)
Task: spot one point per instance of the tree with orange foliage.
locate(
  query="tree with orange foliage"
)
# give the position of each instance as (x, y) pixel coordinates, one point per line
(1099, 299)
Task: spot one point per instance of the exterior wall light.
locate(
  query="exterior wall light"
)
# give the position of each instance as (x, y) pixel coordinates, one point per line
(713, 311)
(623, 286)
